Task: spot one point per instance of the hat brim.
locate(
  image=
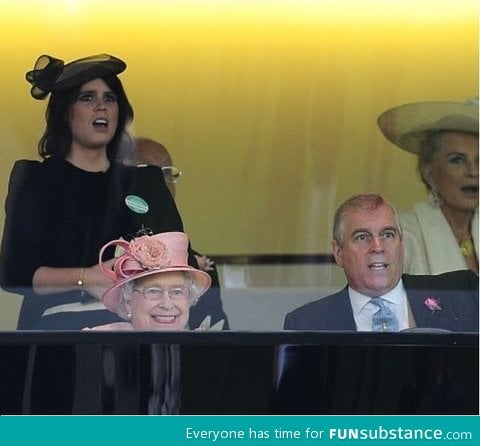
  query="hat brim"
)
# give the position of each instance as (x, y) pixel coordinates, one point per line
(51, 75)
(407, 126)
(112, 295)
(84, 70)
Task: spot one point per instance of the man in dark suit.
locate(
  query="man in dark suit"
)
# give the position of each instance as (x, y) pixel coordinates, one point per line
(368, 245)
(350, 379)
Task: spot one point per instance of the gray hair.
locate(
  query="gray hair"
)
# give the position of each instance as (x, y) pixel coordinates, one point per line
(129, 287)
(360, 202)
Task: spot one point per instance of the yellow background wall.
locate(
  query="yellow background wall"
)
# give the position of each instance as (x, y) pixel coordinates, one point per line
(268, 107)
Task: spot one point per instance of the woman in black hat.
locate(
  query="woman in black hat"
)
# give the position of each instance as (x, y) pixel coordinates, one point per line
(62, 210)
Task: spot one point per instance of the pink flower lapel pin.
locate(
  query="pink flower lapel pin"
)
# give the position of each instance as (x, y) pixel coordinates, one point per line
(432, 303)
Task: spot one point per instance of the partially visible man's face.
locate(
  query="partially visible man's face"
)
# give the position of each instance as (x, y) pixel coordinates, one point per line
(155, 154)
(372, 251)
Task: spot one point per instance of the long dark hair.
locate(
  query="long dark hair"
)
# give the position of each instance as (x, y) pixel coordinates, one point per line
(57, 137)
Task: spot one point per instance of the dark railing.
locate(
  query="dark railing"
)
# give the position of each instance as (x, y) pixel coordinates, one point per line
(238, 373)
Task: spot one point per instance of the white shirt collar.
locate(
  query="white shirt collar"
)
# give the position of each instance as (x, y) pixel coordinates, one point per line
(362, 308)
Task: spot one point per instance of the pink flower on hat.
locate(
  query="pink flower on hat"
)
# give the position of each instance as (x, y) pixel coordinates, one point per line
(150, 252)
(144, 256)
(432, 303)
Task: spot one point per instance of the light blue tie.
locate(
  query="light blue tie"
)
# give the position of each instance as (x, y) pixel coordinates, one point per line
(384, 319)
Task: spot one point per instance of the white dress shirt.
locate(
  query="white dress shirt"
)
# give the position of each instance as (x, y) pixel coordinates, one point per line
(363, 309)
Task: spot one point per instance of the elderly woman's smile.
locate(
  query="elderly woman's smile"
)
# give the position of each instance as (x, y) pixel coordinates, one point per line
(153, 284)
(161, 302)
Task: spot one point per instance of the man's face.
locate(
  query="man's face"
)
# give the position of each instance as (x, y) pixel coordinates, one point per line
(372, 251)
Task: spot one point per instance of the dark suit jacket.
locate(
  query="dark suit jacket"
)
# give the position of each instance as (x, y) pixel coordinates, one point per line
(456, 292)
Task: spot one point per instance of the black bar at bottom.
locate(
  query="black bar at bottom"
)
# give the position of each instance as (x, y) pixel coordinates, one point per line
(239, 373)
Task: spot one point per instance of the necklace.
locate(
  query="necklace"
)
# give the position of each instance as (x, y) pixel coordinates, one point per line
(465, 243)
(466, 247)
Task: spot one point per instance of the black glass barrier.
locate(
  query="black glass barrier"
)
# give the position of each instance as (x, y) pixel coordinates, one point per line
(239, 373)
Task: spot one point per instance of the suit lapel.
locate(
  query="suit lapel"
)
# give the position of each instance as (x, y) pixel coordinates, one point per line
(344, 315)
(424, 316)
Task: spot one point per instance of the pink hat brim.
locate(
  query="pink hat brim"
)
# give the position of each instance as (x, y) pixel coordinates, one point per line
(111, 296)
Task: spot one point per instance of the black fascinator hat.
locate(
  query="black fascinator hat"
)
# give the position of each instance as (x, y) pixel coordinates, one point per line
(51, 74)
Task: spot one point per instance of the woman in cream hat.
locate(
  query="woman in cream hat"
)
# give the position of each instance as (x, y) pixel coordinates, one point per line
(441, 234)
(154, 287)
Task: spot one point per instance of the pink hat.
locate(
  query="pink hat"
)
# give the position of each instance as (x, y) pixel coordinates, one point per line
(147, 255)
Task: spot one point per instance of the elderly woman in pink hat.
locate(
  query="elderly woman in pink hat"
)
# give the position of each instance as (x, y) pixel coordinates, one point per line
(154, 287)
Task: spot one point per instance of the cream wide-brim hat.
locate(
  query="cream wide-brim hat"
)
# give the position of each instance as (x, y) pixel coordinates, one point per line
(408, 125)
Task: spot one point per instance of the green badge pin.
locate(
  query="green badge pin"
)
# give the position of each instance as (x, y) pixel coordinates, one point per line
(136, 204)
